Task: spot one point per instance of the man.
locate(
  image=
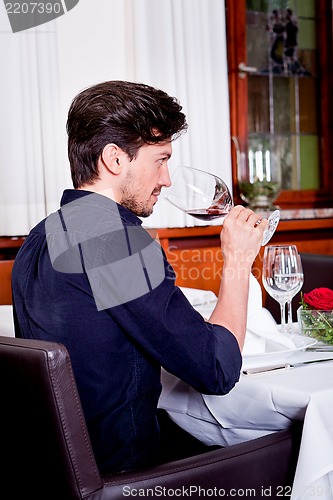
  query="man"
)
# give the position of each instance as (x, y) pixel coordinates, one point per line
(89, 276)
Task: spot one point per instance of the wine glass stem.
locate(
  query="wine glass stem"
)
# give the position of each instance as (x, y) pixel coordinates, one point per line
(290, 315)
(290, 326)
(283, 317)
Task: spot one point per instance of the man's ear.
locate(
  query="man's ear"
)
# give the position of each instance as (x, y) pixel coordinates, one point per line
(110, 157)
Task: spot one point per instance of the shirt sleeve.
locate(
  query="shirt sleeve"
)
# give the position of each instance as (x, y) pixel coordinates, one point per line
(204, 355)
(157, 316)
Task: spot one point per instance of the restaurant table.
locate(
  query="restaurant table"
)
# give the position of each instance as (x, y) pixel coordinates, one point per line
(264, 403)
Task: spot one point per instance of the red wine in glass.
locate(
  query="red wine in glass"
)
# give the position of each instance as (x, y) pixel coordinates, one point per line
(206, 197)
(207, 213)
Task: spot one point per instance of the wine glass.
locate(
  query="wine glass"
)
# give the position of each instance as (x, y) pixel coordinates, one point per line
(290, 326)
(282, 275)
(206, 197)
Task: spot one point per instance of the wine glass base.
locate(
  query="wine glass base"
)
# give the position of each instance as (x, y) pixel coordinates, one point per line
(273, 221)
(292, 328)
(283, 329)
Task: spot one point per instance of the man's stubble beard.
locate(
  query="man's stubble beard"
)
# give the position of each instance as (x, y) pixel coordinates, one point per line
(128, 199)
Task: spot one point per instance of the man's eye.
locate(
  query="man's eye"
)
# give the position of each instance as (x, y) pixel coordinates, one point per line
(162, 160)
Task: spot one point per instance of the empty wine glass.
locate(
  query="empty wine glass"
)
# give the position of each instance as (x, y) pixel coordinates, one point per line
(206, 197)
(281, 275)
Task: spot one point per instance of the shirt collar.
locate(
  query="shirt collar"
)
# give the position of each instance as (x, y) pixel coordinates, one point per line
(71, 195)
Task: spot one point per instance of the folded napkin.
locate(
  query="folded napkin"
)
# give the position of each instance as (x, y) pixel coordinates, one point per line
(6, 321)
(262, 334)
(198, 297)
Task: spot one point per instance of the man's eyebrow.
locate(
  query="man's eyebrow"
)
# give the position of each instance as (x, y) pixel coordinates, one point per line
(164, 153)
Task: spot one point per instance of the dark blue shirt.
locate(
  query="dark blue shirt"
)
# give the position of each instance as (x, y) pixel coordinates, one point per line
(91, 277)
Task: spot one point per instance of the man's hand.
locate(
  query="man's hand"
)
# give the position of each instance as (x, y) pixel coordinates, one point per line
(241, 239)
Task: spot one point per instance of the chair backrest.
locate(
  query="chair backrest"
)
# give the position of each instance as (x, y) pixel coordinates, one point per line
(318, 272)
(6, 267)
(45, 447)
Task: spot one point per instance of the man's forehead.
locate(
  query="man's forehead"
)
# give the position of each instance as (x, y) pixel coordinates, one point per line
(161, 148)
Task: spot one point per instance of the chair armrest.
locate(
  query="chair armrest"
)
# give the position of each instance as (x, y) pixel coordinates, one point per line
(266, 462)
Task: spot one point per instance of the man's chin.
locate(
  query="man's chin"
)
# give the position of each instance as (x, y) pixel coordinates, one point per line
(146, 213)
(139, 209)
(148, 210)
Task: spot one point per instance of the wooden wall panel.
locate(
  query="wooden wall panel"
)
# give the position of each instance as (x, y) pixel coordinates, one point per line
(5, 282)
(197, 259)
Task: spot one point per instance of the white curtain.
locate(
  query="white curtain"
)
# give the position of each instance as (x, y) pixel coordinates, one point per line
(31, 144)
(176, 45)
(180, 46)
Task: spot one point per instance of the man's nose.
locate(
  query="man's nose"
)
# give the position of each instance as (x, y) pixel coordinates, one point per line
(165, 179)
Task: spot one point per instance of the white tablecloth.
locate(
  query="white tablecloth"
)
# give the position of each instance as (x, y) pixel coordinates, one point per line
(264, 403)
(6, 321)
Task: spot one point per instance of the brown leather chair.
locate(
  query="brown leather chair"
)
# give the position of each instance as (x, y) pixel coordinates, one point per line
(46, 451)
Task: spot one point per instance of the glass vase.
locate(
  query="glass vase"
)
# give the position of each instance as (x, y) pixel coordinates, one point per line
(258, 172)
(316, 323)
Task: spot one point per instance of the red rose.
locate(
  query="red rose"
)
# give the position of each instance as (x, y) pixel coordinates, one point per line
(319, 298)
